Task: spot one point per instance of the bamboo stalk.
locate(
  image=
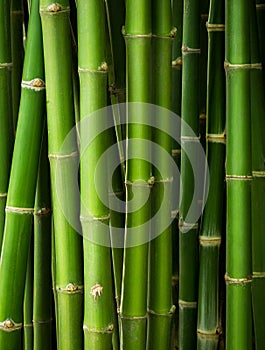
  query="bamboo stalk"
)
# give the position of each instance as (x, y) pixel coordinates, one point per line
(238, 177)
(63, 163)
(42, 302)
(260, 6)
(138, 49)
(258, 183)
(160, 308)
(6, 123)
(177, 19)
(188, 270)
(28, 304)
(211, 225)
(98, 317)
(17, 17)
(21, 190)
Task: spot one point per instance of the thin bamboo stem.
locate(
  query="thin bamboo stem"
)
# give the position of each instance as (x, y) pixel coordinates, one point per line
(238, 177)
(28, 304)
(98, 313)
(21, 190)
(17, 18)
(188, 250)
(211, 225)
(63, 163)
(258, 183)
(42, 302)
(6, 123)
(138, 171)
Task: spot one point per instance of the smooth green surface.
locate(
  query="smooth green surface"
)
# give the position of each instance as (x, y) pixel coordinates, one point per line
(60, 116)
(22, 188)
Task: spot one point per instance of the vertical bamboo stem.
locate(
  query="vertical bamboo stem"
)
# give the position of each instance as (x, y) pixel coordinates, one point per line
(98, 317)
(238, 177)
(42, 302)
(211, 225)
(28, 304)
(160, 308)
(138, 49)
(188, 249)
(17, 17)
(6, 122)
(63, 163)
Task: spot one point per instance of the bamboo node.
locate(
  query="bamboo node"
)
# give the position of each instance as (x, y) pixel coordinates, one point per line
(176, 152)
(3, 195)
(209, 240)
(188, 50)
(238, 177)
(42, 212)
(151, 181)
(54, 7)
(103, 67)
(230, 66)
(260, 6)
(173, 32)
(8, 65)
(96, 291)
(71, 288)
(19, 210)
(168, 314)
(9, 325)
(188, 304)
(174, 214)
(204, 16)
(215, 27)
(36, 84)
(258, 274)
(231, 280)
(177, 63)
(216, 138)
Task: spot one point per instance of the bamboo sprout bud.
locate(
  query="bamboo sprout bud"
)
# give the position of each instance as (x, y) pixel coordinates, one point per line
(96, 291)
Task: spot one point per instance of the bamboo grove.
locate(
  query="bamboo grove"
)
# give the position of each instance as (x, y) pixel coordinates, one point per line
(132, 174)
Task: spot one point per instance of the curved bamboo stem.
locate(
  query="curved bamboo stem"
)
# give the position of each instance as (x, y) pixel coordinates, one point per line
(21, 190)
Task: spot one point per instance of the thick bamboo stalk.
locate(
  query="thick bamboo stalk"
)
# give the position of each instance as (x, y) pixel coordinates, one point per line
(188, 250)
(138, 170)
(6, 122)
(28, 304)
(160, 308)
(238, 177)
(98, 316)
(17, 17)
(63, 163)
(21, 190)
(211, 225)
(258, 183)
(42, 301)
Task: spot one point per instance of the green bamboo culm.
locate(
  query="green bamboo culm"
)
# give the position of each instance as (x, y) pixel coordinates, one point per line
(238, 177)
(17, 17)
(211, 225)
(42, 281)
(258, 183)
(63, 165)
(133, 315)
(21, 190)
(260, 6)
(160, 308)
(28, 304)
(188, 250)
(177, 21)
(6, 122)
(98, 313)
